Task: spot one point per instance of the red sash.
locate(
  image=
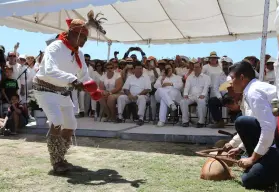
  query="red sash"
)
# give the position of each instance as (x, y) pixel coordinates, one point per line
(63, 38)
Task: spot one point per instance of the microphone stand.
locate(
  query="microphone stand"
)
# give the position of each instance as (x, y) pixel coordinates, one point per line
(25, 78)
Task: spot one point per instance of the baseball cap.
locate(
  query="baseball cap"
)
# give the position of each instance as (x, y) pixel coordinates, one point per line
(22, 57)
(271, 60)
(226, 59)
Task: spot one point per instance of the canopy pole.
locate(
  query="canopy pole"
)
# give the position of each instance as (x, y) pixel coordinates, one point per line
(264, 38)
(109, 46)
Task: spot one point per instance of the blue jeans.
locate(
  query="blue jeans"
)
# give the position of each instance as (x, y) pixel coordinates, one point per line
(265, 172)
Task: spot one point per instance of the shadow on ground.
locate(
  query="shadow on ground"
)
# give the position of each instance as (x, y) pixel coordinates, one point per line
(84, 176)
(110, 143)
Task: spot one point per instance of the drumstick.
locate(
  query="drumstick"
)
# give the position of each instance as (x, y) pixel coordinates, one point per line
(225, 133)
(204, 153)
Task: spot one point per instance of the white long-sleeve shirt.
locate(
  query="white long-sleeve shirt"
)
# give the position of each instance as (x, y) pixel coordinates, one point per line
(95, 75)
(219, 81)
(213, 73)
(151, 74)
(174, 79)
(181, 71)
(59, 66)
(236, 140)
(197, 85)
(257, 98)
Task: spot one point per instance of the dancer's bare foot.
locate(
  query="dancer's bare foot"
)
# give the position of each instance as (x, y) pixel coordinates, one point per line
(60, 167)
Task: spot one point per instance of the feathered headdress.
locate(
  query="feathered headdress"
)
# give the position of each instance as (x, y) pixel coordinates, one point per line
(95, 22)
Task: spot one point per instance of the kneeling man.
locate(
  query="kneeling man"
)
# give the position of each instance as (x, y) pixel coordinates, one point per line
(256, 131)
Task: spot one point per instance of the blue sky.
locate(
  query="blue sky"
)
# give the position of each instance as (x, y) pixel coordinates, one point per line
(31, 43)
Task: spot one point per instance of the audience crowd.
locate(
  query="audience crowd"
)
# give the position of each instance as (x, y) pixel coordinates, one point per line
(162, 91)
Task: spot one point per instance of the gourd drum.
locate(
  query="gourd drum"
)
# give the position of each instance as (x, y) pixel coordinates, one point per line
(216, 170)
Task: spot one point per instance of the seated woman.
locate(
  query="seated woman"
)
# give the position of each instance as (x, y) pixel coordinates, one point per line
(111, 83)
(168, 92)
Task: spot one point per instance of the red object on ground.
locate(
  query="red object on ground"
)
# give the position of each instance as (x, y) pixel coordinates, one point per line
(97, 95)
(90, 86)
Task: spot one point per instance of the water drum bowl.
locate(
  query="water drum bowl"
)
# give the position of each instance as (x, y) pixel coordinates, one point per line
(215, 168)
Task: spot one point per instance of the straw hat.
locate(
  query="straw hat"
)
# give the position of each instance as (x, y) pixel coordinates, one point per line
(194, 60)
(162, 62)
(224, 86)
(186, 59)
(122, 61)
(213, 54)
(129, 60)
(151, 58)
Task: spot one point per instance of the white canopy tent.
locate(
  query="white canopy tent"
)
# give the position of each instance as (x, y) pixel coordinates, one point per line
(150, 21)
(147, 21)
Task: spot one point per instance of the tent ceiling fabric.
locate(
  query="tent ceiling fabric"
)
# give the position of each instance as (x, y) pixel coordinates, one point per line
(147, 21)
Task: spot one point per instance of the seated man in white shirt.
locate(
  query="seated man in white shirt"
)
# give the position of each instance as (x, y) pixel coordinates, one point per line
(215, 103)
(168, 92)
(256, 131)
(136, 89)
(195, 91)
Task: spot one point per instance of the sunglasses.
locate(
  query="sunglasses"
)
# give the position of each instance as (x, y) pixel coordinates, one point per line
(98, 65)
(110, 68)
(12, 56)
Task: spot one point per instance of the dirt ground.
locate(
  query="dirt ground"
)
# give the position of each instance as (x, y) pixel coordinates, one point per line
(106, 165)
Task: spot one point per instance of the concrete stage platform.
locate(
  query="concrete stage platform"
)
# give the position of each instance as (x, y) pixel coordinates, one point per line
(148, 132)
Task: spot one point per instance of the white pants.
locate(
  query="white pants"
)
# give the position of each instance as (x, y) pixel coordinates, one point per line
(122, 100)
(58, 109)
(163, 97)
(81, 99)
(201, 108)
(84, 99)
(93, 105)
(75, 101)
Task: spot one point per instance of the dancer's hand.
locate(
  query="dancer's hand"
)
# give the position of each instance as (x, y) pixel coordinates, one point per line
(78, 85)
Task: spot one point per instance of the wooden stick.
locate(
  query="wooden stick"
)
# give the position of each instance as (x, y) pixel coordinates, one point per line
(204, 153)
